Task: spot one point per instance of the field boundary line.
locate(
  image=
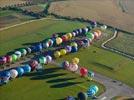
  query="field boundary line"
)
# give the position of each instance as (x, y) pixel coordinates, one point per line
(5, 28)
(115, 50)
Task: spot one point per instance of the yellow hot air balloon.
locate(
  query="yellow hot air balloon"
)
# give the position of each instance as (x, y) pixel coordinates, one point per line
(57, 54)
(58, 40)
(74, 44)
(75, 60)
(99, 32)
(69, 35)
(63, 52)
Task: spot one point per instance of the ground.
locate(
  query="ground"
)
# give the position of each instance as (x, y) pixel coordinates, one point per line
(107, 12)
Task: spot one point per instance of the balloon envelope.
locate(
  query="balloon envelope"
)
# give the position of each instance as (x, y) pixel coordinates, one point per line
(74, 44)
(65, 64)
(23, 52)
(68, 48)
(28, 49)
(49, 58)
(3, 60)
(69, 35)
(58, 40)
(73, 67)
(14, 57)
(74, 49)
(82, 96)
(18, 53)
(42, 60)
(63, 52)
(64, 38)
(20, 71)
(33, 64)
(75, 60)
(57, 54)
(26, 68)
(13, 73)
(83, 71)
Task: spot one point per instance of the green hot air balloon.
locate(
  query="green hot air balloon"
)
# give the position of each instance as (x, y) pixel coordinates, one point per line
(90, 35)
(42, 60)
(14, 57)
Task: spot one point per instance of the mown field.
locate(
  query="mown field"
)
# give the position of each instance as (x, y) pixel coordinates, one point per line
(53, 83)
(123, 42)
(8, 18)
(104, 11)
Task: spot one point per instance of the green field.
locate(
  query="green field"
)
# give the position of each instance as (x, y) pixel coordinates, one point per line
(52, 84)
(123, 42)
(9, 17)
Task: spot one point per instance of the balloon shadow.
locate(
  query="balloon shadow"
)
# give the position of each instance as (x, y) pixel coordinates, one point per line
(65, 84)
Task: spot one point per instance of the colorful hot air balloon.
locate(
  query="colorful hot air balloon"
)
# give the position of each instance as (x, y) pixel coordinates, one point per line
(33, 64)
(82, 96)
(20, 71)
(23, 52)
(57, 54)
(58, 40)
(83, 71)
(26, 68)
(68, 48)
(9, 59)
(92, 90)
(18, 53)
(75, 60)
(74, 44)
(13, 73)
(69, 35)
(73, 67)
(65, 64)
(42, 60)
(63, 52)
(49, 58)
(74, 49)
(14, 57)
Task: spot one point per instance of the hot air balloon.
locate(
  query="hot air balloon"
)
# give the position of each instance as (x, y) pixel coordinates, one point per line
(65, 64)
(75, 60)
(42, 60)
(103, 27)
(57, 54)
(28, 49)
(82, 96)
(69, 35)
(63, 52)
(9, 59)
(49, 58)
(74, 49)
(18, 53)
(33, 64)
(38, 47)
(73, 34)
(68, 48)
(26, 68)
(23, 52)
(83, 71)
(20, 71)
(70, 98)
(64, 38)
(45, 45)
(14, 57)
(13, 73)
(3, 60)
(58, 40)
(92, 90)
(73, 67)
(74, 44)
(5, 75)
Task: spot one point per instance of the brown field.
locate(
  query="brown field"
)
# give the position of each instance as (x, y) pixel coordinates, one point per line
(105, 11)
(4, 3)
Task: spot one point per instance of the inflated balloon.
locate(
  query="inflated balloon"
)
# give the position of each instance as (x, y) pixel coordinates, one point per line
(104, 27)
(39, 67)
(92, 90)
(64, 38)
(50, 42)
(20, 71)
(90, 35)
(23, 52)
(18, 53)
(57, 54)
(75, 60)
(58, 40)
(83, 71)
(69, 35)
(73, 67)
(46, 45)
(74, 44)
(26, 68)
(73, 34)
(68, 48)
(74, 49)
(13, 73)
(90, 74)
(49, 58)
(14, 57)
(3, 60)
(28, 49)
(82, 96)
(86, 29)
(33, 64)
(99, 32)
(5, 75)
(8, 59)
(63, 52)
(65, 64)
(42, 60)
(96, 35)
(38, 47)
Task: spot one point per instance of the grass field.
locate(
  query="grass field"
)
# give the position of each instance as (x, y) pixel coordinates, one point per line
(55, 84)
(105, 11)
(123, 42)
(8, 17)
